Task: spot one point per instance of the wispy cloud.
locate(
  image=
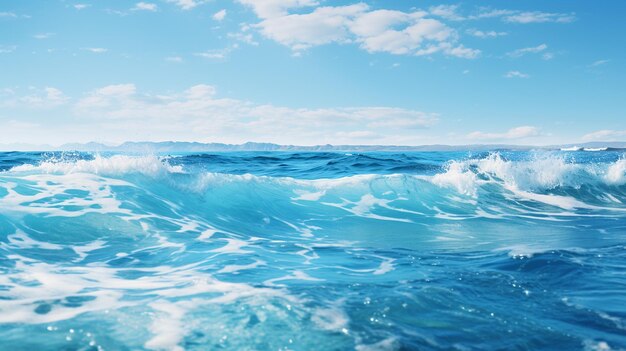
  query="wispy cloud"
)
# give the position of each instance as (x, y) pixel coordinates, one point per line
(600, 63)
(7, 49)
(42, 36)
(540, 17)
(220, 15)
(452, 12)
(448, 12)
(45, 98)
(219, 54)
(117, 12)
(96, 50)
(529, 50)
(81, 6)
(516, 74)
(606, 135)
(52, 97)
(145, 6)
(8, 14)
(511, 134)
(244, 36)
(176, 59)
(187, 4)
(486, 12)
(488, 34)
(199, 113)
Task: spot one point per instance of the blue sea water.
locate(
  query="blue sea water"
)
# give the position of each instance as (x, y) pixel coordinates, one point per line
(313, 251)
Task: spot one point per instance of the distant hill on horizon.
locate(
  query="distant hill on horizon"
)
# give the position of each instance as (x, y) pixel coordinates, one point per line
(179, 146)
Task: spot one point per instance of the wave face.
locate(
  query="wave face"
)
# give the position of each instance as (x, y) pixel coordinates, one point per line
(304, 251)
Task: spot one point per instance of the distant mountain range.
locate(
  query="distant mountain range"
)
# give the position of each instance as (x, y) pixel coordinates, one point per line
(175, 146)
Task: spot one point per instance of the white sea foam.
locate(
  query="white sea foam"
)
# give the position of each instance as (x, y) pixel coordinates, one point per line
(296, 275)
(522, 250)
(459, 177)
(365, 206)
(388, 344)
(113, 165)
(234, 268)
(333, 318)
(530, 179)
(543, 172)
(616, 173)
(167, 327)
(386, 266)
(48, 199)
(232, 246)
(572, 148)
(369, 196)
(34, 282)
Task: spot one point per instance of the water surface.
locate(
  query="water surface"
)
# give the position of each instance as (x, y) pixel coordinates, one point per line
(313, 251)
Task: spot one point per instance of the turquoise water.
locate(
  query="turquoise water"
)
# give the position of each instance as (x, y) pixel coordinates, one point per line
(313, 251)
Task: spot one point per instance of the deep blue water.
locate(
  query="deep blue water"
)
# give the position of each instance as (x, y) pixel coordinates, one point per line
(313, 251)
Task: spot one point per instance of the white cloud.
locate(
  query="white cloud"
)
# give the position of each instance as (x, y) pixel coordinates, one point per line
(145, 6)
(177, 59)
(522, 17)
(220, 15)
(242, 36)
(606, 135)
(117, 12)
(460, 51)
(8, 14)
(81, 6)
(116, 90)
(96, 50)
(516, 74)
(14, 124)
(529, 50)
(540, 17)
(219, 54)
(276, 8)
(45, 98)
(106, 96)
(41, 36)
(358, 134)
(448, 12)
(600, 63)
(187, 4)
(513, 133)
(486, 12)
(322, 26)
(199, 114)
(302, 24)
(7, 49)
(212, 54)
(390, 31)
(481, 34)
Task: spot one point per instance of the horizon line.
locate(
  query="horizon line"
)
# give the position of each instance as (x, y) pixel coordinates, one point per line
(102, 146)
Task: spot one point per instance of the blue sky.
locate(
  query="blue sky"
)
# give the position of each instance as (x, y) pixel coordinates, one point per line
(312, 71)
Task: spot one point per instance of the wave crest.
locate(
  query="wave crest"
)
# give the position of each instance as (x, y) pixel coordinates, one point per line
(101, 165)
(543, 173)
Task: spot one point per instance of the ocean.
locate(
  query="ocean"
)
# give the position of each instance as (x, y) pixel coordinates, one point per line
(500, 250)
